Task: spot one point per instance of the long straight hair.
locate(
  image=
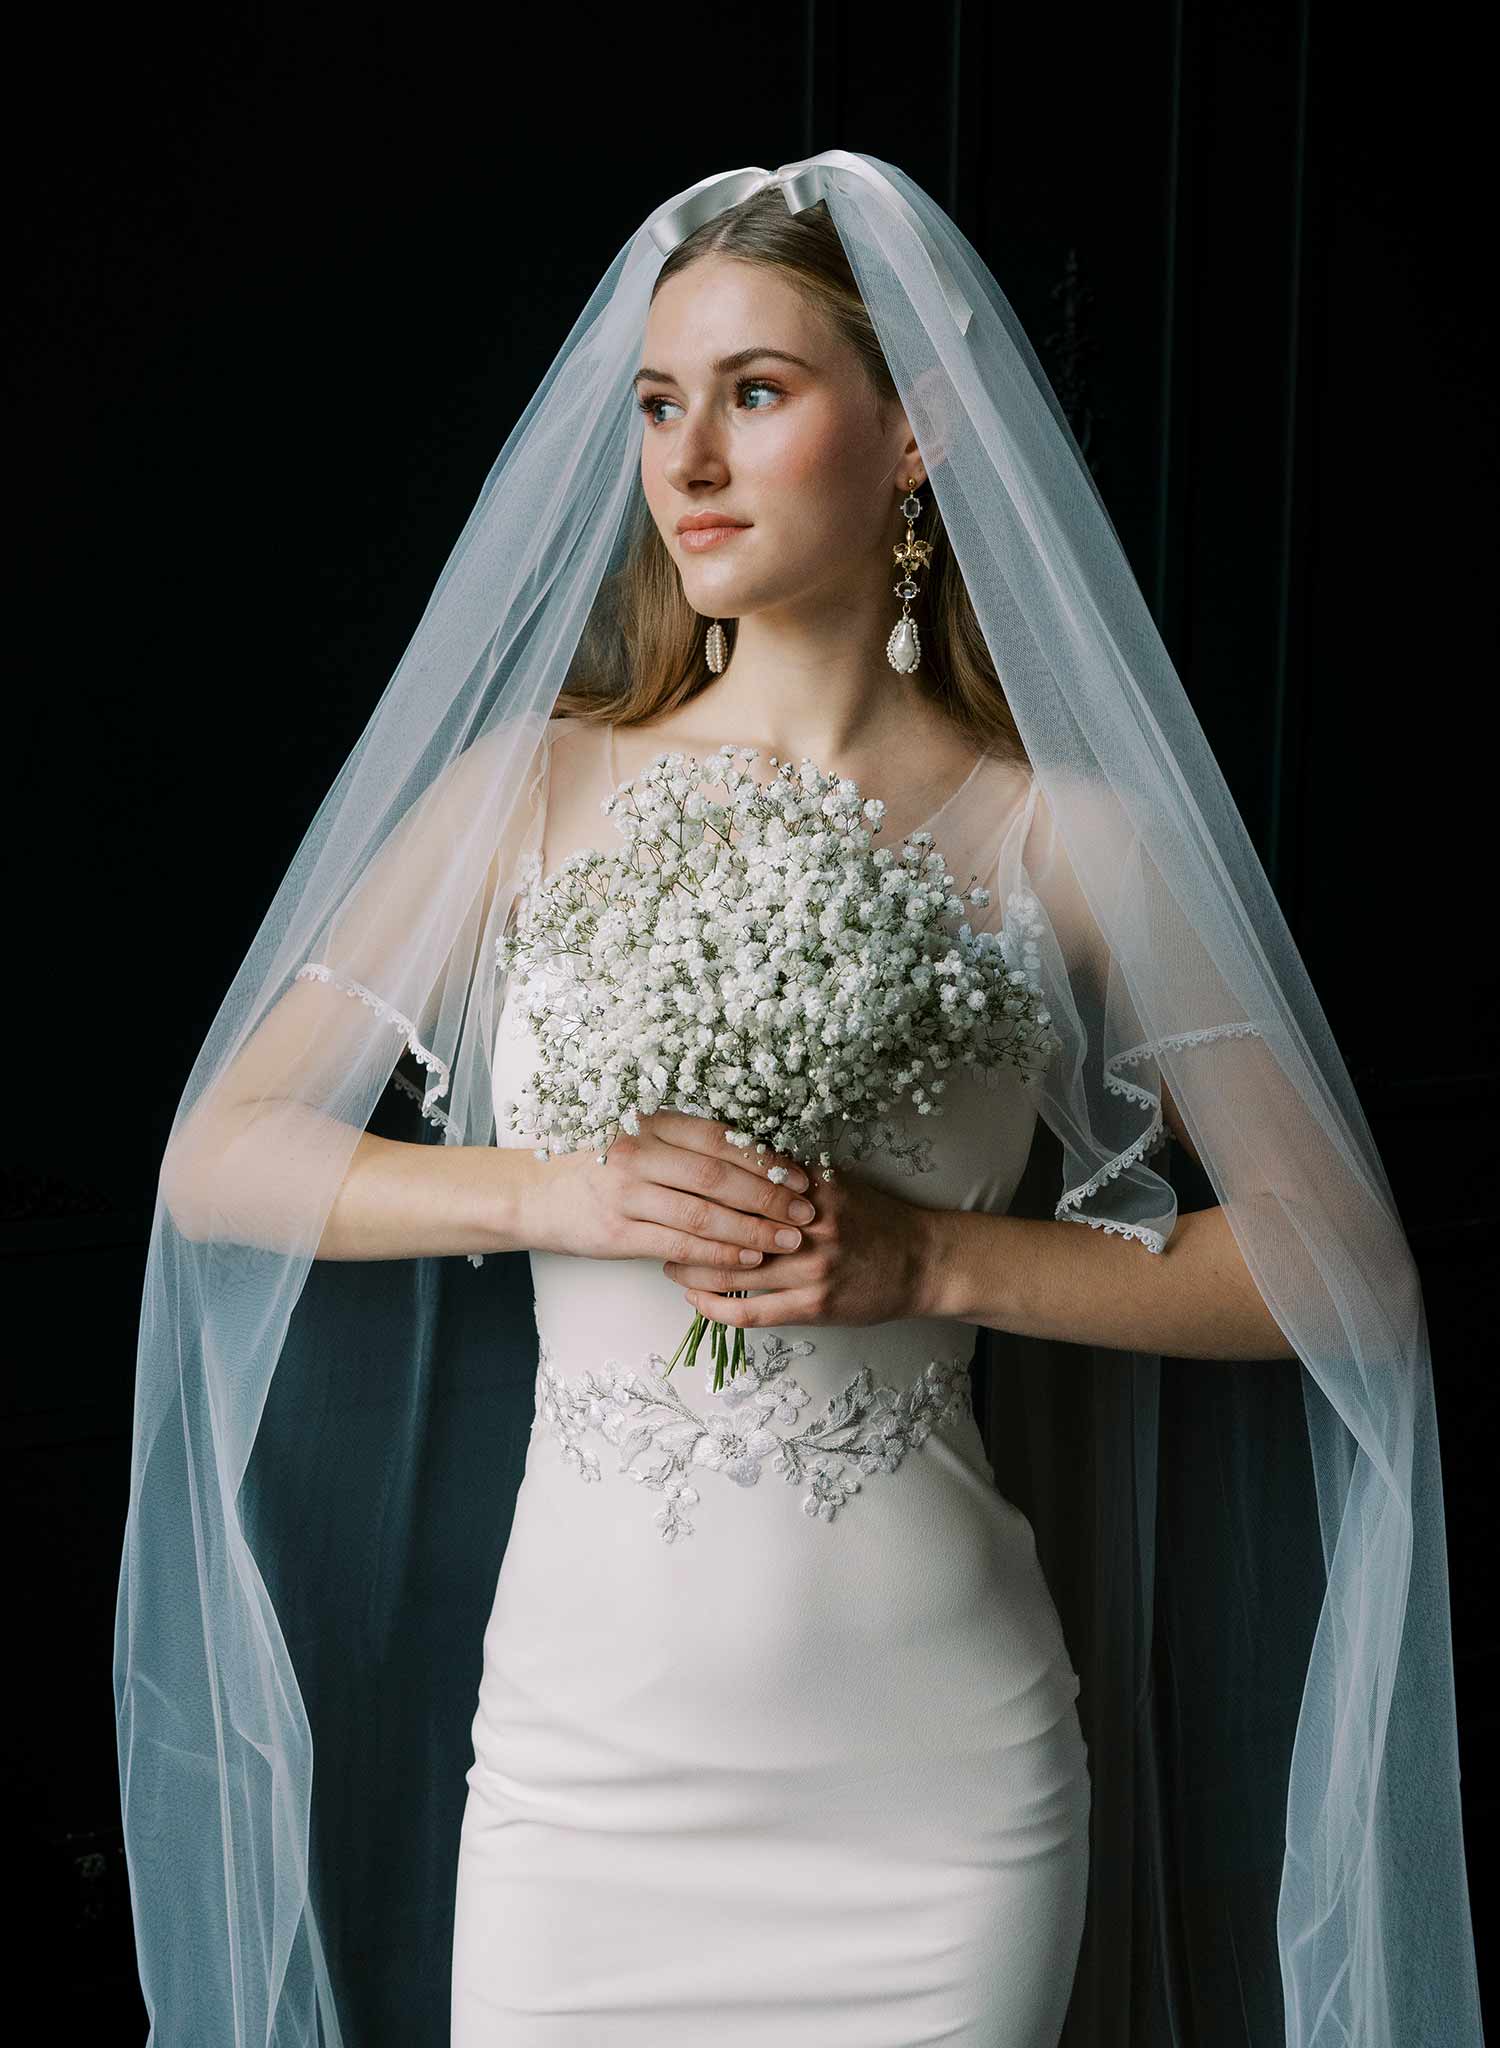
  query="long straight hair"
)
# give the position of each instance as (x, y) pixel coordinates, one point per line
(642, 653)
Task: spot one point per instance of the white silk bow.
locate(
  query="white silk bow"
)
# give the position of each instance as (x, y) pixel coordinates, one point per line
(802, 185)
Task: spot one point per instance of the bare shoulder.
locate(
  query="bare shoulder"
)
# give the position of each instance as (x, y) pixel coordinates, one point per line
(574, 748)
(577, 778)
(1004, 776)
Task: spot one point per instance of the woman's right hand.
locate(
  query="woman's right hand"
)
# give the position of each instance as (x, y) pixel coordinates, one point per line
(677, 1191)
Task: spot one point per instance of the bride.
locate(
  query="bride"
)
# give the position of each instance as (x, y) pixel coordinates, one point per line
(822, 1706)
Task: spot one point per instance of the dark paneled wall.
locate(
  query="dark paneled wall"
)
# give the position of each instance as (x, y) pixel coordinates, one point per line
(283, 281)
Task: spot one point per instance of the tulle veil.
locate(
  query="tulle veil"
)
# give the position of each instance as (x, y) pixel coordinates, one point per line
(1250, 1563)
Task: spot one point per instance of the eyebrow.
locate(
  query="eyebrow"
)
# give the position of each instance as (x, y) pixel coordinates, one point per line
(726, 364)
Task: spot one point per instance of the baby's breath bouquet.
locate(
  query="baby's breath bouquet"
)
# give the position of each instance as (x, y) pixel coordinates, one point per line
(749, 957)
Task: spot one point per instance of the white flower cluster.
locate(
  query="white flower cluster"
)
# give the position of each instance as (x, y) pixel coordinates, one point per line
(749, 957)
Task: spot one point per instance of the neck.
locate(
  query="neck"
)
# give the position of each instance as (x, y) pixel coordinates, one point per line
(815, 685)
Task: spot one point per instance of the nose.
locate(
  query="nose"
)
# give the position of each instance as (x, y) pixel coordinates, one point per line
(696, 460)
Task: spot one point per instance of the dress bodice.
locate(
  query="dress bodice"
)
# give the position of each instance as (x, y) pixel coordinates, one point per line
(970, 1157)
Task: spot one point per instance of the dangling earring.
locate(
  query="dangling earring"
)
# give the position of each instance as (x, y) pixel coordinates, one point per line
(716, 649)
(904, 648)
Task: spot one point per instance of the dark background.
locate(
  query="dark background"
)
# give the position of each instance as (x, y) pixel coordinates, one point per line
(282, 280)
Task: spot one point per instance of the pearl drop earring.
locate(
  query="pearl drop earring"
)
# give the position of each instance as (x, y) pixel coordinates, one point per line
(903, 650)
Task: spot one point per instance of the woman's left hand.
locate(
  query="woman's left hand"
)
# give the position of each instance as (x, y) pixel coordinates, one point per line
(863, 1259)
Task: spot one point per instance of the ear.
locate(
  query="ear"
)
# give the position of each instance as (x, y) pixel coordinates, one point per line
(926, 421)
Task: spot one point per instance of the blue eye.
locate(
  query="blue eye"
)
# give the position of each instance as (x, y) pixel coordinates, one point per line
(651, 400)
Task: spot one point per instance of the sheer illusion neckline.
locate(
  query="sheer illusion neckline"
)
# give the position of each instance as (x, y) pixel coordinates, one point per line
(925, 826)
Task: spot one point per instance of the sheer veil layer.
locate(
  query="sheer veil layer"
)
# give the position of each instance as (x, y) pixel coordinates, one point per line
(325, 1455)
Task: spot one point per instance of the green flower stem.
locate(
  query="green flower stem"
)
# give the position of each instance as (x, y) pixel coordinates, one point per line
(725, 1362)
(694, 1338)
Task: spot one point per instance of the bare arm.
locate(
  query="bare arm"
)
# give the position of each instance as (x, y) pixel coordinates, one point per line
(264, 1173)
(274, 1153)
(1062, 1279)
(395, 1201)
(259, 1161)
(1041, 1278)
(403, 1201)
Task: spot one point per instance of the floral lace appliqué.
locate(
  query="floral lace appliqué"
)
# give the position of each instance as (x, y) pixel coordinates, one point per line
(757, 1424)
(885, 1140)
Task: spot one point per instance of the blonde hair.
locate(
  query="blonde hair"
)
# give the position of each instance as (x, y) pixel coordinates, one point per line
(642, 652)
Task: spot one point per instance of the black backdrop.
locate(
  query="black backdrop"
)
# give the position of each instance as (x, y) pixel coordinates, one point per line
(281, 279)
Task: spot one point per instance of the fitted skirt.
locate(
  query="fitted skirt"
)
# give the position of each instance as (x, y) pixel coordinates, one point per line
(748, 1770)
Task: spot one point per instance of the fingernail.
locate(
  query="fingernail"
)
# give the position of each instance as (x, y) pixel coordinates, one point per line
(796, 1178)
(802, 1212)
(789, 1238)
(748, 1258)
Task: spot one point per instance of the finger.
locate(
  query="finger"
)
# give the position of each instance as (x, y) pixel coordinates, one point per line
(709, 1135)
(751, 1311)
(722, 1275)
(723, 1308)
(704, 1228)
(716, 1278)
(717, 1188)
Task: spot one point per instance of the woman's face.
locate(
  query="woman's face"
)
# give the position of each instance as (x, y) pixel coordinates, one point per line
(798, 452)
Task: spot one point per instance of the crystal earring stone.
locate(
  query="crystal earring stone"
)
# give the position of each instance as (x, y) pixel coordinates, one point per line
(716, 649)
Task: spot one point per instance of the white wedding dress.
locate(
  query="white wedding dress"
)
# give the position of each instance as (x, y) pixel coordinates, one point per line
(776, 1739)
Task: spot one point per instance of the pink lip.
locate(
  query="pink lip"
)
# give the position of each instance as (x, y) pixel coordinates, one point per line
(696, 538)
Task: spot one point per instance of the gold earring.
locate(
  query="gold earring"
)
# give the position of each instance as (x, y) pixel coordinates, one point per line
(904, 648)
(716, 649)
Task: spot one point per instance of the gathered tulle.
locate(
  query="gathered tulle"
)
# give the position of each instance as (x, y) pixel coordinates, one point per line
(1249, 1559)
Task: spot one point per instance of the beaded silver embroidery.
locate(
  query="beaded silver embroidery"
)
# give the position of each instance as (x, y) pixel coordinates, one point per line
(662, 1443)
